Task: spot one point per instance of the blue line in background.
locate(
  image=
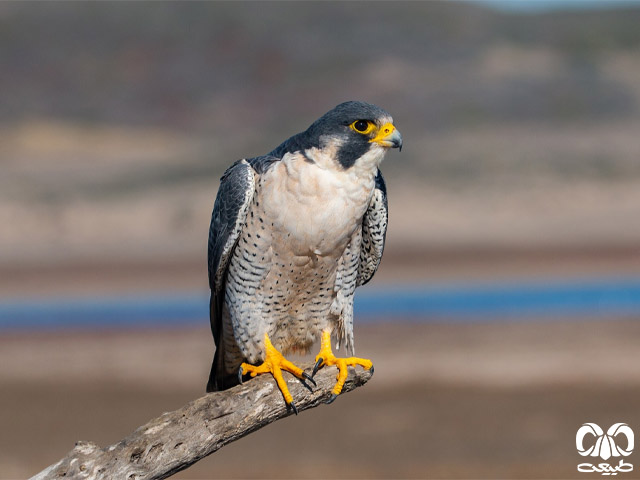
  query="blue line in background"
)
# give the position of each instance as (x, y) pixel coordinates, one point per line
(569, 298)
(116, 311)
(544, 6)
(601, 297)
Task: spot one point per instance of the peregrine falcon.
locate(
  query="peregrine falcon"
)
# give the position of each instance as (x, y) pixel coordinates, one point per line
(293, 233)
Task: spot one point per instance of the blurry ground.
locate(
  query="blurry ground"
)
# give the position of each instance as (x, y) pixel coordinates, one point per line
(464, 401)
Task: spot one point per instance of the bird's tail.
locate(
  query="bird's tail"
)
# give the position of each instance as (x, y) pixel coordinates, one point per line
(219, 379)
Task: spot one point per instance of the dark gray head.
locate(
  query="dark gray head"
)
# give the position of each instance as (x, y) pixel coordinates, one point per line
(351, 129)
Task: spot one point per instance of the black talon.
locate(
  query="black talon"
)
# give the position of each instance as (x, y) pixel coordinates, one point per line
(305, 384)
(294, 408)
(331, 398)
(310, 378)
(240, 375)
(316, 367)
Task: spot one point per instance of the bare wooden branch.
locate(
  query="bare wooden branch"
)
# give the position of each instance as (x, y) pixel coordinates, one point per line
(176, 440)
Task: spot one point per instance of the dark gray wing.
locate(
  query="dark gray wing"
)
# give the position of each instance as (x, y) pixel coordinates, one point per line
(237, 187)
(374, 232)
(228, 218)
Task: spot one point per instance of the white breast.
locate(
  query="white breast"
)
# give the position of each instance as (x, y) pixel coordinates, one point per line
(314, 206)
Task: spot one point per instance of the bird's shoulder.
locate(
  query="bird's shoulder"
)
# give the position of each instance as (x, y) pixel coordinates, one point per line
(262, 163)
(381, 186)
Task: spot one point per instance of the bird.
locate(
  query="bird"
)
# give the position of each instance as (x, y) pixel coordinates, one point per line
(292, 234)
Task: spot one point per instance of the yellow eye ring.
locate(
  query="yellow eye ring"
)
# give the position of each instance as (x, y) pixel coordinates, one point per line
(362, 126)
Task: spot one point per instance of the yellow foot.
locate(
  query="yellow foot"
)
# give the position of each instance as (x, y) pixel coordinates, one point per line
(326, 357)
(274, 363)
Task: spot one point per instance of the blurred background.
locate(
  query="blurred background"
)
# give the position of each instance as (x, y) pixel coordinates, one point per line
(504, 314)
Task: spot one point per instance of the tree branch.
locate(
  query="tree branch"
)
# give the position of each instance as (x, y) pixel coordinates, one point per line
(176, 440)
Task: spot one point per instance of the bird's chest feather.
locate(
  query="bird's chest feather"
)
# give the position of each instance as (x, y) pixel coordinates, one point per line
(314, 210)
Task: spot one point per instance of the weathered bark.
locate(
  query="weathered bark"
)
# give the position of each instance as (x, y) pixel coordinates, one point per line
(176, 440)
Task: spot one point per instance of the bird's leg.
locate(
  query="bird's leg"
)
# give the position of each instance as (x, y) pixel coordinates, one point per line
(326, 357)
(274, 363)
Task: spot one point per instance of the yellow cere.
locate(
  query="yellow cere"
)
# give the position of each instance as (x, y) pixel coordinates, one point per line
(384, 131)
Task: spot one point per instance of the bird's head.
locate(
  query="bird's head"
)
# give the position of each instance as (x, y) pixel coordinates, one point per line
(352, 133)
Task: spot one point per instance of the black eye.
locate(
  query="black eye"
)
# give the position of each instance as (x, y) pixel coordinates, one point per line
(361, 125)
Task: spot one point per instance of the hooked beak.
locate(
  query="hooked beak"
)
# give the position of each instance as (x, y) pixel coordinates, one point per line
(388, 136)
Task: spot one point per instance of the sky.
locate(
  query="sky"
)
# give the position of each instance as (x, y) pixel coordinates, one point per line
(546, 5)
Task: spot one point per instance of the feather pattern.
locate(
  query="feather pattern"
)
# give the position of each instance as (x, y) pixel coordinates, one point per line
(374, 232)
(237, 186)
